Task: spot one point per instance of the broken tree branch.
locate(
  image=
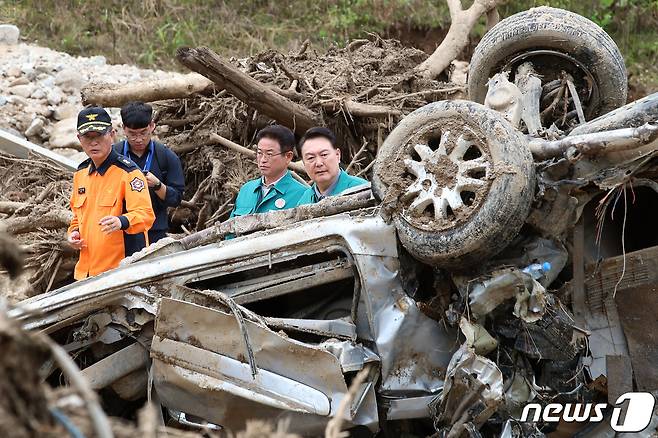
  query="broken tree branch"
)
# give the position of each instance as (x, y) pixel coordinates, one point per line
(255, 222)
(294, 166)
(72, 373)
(114, 95)
(247, 89)
(361, 109)
(356, 156)
(427, 94)
(179, 123)
(261, 221)
(331, 206)
(595, 143)
(462, 23)
(303, 48)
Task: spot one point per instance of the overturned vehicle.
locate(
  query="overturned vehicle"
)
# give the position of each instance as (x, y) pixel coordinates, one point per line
(478, 278)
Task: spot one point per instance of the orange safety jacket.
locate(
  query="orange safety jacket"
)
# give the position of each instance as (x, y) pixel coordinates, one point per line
(116, 188)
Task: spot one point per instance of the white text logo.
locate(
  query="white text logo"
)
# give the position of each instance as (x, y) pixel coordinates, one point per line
(638, 412)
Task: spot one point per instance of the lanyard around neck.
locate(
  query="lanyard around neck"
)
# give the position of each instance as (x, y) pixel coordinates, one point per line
(149, 156)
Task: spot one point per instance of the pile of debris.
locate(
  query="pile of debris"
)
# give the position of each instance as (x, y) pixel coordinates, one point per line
(35, 202)
(360, 91)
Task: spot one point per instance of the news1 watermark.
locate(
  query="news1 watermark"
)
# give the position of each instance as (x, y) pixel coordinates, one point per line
(639, 411)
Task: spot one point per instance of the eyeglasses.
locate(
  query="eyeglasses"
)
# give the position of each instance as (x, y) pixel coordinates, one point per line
(268, 154)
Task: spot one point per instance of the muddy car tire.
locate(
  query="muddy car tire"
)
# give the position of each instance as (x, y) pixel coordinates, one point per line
(457, 179)
(553, 40)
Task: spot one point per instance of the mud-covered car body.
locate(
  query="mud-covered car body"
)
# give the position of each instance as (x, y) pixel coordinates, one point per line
(330, 301)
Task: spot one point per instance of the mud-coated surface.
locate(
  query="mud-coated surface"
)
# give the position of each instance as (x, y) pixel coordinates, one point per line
(23, 405)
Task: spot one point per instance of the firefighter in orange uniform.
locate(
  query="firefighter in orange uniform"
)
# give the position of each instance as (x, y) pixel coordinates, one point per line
(110, 197)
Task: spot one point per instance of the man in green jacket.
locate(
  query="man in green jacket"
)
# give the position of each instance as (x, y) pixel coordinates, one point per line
(321, 159)
(276, 189)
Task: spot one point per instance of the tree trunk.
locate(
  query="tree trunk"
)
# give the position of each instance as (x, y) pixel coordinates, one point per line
(360, 109)
(113, 95)
(247, 89)
(462, 22)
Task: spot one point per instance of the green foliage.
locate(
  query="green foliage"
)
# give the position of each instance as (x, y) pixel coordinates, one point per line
(148, 32)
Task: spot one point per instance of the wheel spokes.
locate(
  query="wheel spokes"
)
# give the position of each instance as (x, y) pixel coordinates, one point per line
(480, 163)
(416, 168)
(419, 205)
(454, 199)
(424, 151)
(466, 183)
(460, 149)
(442, 178)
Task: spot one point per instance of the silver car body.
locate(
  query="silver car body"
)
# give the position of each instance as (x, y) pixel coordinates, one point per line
(215, 359)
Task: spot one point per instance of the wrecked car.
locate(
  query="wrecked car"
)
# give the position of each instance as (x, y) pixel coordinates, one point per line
(276, 323)
(452, 293)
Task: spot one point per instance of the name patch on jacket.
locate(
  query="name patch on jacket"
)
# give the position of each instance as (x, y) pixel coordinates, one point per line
(81, 190)
(136, 185)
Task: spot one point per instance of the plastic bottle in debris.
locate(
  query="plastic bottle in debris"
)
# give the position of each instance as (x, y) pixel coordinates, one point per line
(537, 270)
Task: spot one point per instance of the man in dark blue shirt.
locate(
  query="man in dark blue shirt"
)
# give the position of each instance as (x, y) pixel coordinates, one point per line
(161, 167)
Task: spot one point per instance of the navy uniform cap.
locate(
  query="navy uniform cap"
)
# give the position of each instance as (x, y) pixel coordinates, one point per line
(94, 119)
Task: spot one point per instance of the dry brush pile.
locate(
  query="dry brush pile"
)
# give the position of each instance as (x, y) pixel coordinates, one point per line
(360, 92)
(34, 204)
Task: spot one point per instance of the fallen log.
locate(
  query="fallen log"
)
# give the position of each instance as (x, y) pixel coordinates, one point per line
(263, 221)
(575, 146)
(362, 198)
(51, 220)
(115, 95)
(10, 207)
(247, 89)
